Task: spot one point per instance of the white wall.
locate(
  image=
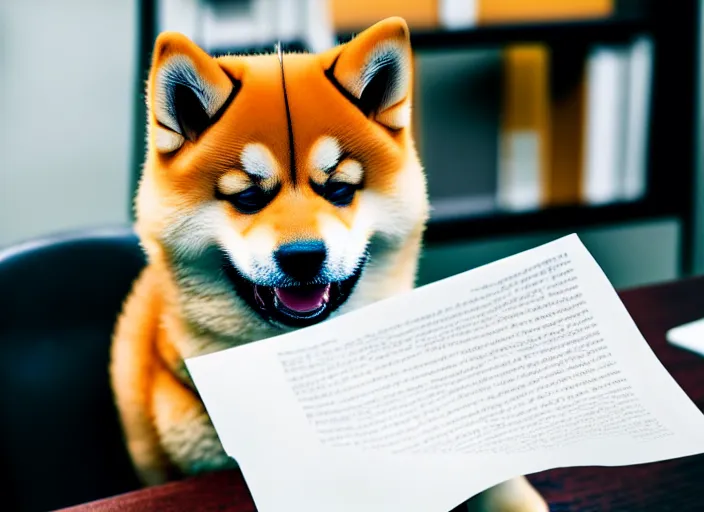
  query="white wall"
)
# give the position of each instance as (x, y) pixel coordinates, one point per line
(67, 90)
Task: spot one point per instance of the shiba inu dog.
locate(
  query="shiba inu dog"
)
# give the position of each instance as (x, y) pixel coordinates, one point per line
(278, 190)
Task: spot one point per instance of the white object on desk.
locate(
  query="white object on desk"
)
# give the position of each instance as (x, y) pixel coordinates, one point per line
(689, 336)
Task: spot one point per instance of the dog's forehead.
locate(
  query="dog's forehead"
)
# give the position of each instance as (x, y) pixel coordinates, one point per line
(287, 119)
(318, 110)
(254, 129)
(327, 125)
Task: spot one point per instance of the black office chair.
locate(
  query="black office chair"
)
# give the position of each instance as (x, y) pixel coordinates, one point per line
(60, 441)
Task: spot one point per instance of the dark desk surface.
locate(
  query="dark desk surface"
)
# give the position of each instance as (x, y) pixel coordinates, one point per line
(673, 485)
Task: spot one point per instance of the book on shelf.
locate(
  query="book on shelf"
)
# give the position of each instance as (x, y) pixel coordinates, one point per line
(457, 134)
(458, 13)
(419, 14)
(355, 15)
(563, 180)
(513, 11)
(524, 140)
(604, 158)
(639, 107)
(618, 115)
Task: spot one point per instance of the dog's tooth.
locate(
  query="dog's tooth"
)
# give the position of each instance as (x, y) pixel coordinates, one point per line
(258, 297)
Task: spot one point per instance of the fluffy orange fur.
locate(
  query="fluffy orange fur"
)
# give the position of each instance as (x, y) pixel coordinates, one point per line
(285, 124)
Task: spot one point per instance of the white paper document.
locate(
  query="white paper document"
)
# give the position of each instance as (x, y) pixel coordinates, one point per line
(419, 402)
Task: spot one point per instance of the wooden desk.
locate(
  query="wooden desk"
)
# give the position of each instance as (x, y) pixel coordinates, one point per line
(673, 485)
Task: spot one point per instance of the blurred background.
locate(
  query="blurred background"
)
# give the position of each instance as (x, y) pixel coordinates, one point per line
(534, 119)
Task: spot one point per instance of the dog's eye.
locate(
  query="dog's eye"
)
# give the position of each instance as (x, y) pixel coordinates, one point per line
(338, 193)
(250, 200)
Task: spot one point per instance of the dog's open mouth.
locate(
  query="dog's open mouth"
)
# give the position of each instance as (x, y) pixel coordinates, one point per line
(293, 306)
(300, 301)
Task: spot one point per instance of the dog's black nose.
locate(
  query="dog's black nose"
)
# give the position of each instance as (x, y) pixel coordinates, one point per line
(301, 260)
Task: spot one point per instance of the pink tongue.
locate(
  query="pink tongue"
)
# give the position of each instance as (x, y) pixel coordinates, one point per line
(303, 300)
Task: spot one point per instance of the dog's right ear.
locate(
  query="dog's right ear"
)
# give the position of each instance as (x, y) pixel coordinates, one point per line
(187, 89)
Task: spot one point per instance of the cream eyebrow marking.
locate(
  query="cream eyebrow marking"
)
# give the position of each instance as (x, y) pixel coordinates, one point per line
(349, 171)
(326, 154)
(167, 141)
(233, 182)
(257, 161)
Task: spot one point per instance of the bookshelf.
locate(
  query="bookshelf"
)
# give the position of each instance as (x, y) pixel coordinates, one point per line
(586, 31)
(670, 160)
(612, 29)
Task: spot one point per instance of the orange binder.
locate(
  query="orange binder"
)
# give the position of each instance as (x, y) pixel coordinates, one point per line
(563, 182)
(509, 11)
(525, 129)
(353, 15)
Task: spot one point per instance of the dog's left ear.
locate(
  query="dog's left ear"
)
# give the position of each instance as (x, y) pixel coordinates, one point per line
(374, 69)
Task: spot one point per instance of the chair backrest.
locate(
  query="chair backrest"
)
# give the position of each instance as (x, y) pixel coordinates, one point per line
(60, 440)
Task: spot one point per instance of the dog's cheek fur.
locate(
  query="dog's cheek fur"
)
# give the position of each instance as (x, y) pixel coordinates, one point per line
(190, 233)
(346, 247)
(404, 208)
(191, 242)
(392, 223)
